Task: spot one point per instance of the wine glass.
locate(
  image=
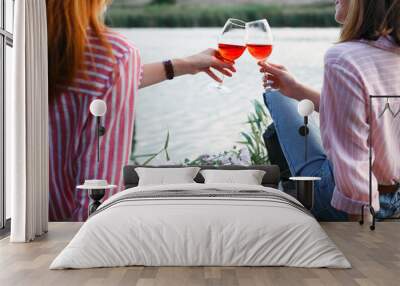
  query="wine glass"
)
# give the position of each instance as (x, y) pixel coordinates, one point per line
(231, 45)
(259, 41)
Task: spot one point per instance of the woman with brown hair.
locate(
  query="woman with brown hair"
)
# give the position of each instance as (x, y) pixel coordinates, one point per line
(88, 61)
(365, 62)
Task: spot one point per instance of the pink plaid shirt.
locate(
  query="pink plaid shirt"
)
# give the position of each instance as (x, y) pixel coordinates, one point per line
(353, 72)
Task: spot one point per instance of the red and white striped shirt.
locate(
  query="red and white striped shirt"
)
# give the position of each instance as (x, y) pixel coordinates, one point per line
(73, 129)
(353, 72)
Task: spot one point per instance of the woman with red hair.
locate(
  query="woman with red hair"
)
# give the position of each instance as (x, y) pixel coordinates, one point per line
(89, 61)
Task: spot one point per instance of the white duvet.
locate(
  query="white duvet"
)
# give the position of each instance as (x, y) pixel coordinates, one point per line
(200, 232)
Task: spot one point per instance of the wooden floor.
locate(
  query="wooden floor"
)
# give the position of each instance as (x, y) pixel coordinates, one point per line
(375, 257)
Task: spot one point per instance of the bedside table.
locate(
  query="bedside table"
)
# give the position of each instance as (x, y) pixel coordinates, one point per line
(305, 190)
(96, 193)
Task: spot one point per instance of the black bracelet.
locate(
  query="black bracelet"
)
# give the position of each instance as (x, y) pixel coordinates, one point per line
(169, 69)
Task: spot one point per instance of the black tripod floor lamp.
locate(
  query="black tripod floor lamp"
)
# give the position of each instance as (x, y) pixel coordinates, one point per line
(387, 109)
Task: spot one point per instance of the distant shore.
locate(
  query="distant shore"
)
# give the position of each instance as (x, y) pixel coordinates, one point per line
(197, 15)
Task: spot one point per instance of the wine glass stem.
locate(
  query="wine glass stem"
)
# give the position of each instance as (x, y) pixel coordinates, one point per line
(222, 82)
(268, 87)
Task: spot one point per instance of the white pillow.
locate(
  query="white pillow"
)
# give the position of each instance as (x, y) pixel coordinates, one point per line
(166, 176)
(245, 177)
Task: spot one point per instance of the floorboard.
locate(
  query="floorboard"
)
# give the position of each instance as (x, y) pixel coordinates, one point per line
(375, 257)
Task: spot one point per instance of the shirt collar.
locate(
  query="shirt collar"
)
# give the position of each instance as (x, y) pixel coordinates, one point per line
(386, 43)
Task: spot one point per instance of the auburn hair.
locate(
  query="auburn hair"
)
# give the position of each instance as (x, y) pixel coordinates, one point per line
(67, 25)
(371, 19)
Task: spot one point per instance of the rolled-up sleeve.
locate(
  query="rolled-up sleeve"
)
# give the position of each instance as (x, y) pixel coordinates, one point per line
(345, 134)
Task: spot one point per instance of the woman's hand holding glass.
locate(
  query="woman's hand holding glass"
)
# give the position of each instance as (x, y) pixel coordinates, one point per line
(278, 77)
(206, 61)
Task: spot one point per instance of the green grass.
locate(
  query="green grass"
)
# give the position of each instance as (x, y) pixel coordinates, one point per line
(185, 15)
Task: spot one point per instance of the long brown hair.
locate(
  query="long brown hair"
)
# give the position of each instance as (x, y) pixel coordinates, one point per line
(67, 23)
(371, 19)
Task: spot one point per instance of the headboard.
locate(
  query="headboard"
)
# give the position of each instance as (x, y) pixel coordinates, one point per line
(271, 178)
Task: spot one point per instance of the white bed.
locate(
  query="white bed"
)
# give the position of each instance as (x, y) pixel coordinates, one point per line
(209, 230)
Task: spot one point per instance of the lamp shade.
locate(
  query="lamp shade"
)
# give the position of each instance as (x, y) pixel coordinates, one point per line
(306, 107)
(98, 108)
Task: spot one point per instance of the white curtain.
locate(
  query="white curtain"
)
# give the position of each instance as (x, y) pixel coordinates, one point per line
(27, 124)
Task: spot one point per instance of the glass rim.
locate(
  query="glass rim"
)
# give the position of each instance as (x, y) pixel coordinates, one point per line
(258, 21)
(237, 22)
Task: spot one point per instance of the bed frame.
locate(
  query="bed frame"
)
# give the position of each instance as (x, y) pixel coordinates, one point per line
(271, 178)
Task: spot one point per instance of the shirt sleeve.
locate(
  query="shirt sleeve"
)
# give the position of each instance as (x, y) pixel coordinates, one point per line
(345, 133)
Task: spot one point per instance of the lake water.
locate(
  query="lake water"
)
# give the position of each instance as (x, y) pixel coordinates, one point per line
(204, 122)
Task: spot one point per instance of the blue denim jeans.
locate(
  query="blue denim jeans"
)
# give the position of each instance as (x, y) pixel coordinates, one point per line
(390, 205)
(287, 122)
